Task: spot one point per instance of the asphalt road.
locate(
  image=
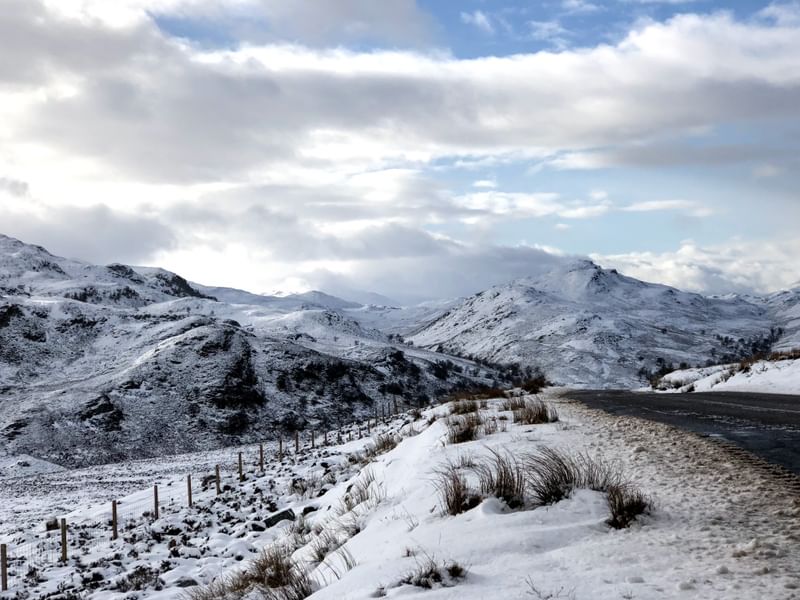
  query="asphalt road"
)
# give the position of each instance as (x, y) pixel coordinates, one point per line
(767, 425)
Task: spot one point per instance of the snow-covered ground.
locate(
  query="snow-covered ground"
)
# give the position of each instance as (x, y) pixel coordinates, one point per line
(769, 377)
(724, 525)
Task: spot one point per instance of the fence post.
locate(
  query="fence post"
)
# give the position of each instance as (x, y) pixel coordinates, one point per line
(155, 501)
(219, 487)
(296, 442)
(241, 471)
(114, 522)
(261, 457)
(395, 405)
(368, 431)
(3, 568)
(325, 439)
(63, 540)
(280, 448)
(313, 443)
(189, 489)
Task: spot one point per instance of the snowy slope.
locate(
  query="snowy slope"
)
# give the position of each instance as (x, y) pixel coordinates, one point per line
(585, 325)
(707, 536)
(107, 363)
(769, 377)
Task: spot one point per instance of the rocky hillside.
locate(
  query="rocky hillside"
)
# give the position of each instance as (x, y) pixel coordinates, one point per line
(101, 363)
(589, 326)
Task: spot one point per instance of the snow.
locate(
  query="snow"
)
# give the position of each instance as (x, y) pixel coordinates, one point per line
(587, 326)
(724, 525)
(769, 377)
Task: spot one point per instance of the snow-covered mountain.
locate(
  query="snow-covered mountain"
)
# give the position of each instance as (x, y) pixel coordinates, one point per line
(101, 363)
(589, 326)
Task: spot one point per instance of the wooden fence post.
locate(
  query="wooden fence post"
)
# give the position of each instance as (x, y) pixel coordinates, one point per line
(280, 448)
(395, 405)
(3, 568)
(155, 501)
(313, 442)
(296, 442)
(114, 522)
(325, 439)
(241, 470)
(368, 431)
(261, 457)
(189, 489)
(219, 487)
(63, 540)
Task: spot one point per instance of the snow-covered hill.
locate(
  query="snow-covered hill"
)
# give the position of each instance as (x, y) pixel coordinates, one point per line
(589, 326)
(107, 363)
(354, 521)
(765, 376)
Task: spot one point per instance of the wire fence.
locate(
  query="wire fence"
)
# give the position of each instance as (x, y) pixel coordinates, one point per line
(22, 561)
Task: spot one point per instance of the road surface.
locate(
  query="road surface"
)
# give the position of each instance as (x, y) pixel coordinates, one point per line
(767, 425)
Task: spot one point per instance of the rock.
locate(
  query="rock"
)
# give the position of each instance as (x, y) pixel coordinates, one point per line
(257, 526)
(284, 515)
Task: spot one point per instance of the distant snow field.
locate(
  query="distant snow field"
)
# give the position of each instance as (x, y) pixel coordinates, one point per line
(722, 526)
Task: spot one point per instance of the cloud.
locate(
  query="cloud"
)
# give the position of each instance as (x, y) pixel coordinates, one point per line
(14, 187)
(686, 207)
(549, 31)
(738, 265)
(178, 114)
(478, 19)
(461, 271)
(286, 153)
(485, 183)
(573, 7)
(96, 234)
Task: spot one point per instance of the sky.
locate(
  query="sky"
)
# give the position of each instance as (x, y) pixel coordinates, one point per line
(420, 150)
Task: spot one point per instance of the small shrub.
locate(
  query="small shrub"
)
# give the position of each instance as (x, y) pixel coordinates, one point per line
(535, 412)
(626, 503)
(141, 578)
(533, 385)
(455, 494)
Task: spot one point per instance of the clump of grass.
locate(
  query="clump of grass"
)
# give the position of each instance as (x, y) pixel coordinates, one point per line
(552, 475)
(626, 503)
(464, 428)
(383, 442)
(364, 490)
(429, 574)
(455, 493)
(464, 407)
(274, 574)
(323, 544)
(501, 475)
(513, 403)
(534, 412)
